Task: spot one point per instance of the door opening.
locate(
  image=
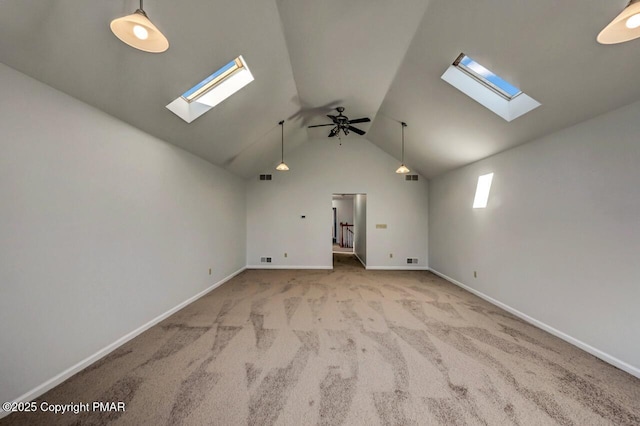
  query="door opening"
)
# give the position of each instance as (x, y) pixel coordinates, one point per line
(343, 229)
(349, 225)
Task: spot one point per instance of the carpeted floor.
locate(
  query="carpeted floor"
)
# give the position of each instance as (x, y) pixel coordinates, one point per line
(350, 347)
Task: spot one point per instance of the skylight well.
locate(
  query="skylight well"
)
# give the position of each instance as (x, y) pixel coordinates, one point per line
(488, 89)
(212, 90)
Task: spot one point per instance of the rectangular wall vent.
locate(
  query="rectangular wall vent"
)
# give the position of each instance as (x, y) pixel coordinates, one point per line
(265, 177)
(265, 260)
(412, 260)
(411, 177)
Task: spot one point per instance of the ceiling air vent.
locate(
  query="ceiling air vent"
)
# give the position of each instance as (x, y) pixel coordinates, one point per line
(265, 177)
(410, 177)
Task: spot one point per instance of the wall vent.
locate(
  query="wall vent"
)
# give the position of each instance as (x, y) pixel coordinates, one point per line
(410, 177)
(265, 177)
(412, 260)
(265, 260)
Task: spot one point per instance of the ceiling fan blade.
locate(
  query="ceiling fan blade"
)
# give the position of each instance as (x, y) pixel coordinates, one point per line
(333, 132)
(360, 120)
(356, 130)
(321, 125)
(333, 118)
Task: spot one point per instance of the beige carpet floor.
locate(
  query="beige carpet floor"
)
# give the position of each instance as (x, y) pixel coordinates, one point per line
(348, 346)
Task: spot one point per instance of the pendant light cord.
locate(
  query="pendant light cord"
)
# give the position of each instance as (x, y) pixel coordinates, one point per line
(282, 140)
(403, 126)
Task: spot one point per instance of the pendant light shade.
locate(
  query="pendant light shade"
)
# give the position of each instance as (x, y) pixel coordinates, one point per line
(403, 169)
(624, 27)
(282, 167)
(138, 31)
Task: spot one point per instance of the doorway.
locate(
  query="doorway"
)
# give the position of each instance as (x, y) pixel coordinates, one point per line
(349, 226)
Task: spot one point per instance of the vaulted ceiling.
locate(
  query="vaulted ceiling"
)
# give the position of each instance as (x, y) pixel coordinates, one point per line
(378, 58)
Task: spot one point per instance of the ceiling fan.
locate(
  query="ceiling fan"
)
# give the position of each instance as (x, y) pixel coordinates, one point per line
(342, 122)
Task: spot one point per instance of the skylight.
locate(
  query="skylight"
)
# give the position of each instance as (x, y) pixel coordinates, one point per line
(212, 90)
(488, 78)
(488, 89)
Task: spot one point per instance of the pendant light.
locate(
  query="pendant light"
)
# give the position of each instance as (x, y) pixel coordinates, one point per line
(403, 169)
(138, 31)
(624, 27)
(282, 167)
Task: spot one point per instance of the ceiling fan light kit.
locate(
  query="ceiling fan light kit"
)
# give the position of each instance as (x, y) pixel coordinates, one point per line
(138, 31)
(624, 27)
(342, 123)
(403, 169)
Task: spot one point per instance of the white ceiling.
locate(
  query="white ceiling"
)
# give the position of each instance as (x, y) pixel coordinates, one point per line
(376, 58)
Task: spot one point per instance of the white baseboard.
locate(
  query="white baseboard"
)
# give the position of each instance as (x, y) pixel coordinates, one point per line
(358, 257)
(56, 380)
(398, 268)
(287, 267)
(635, 371)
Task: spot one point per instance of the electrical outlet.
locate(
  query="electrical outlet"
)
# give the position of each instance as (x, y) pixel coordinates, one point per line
(209, 271)
(285, 255)
(390, 255)
(475, 274)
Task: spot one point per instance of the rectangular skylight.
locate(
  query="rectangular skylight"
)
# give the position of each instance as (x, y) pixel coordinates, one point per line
(212, 90)
(482, 191)
(488, 89)
(486, 77)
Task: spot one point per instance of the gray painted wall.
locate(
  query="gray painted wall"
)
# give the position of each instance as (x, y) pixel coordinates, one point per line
(560, 238)
(103, 228)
